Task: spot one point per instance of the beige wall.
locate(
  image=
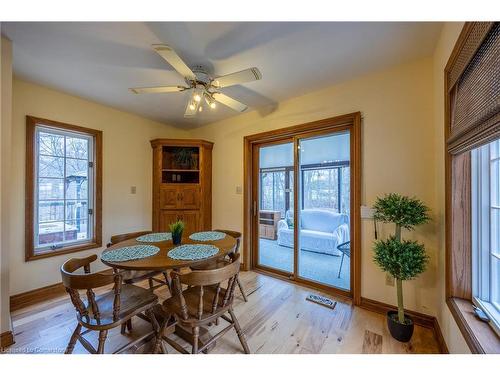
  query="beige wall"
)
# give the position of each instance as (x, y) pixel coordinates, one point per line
(398, 155)
(127, 161)
(5, 147)
(449, 35)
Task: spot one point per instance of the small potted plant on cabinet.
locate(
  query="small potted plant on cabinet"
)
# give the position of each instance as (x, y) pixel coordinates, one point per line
(402, 259)
(176, 229)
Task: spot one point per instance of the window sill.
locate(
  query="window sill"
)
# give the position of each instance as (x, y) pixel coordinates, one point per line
(67, 250)
(479, 336)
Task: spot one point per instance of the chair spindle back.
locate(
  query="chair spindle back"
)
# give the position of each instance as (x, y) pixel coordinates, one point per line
(207, 278)
(88, 281)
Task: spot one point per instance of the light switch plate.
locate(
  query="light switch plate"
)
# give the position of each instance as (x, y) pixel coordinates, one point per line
(133, 190)
(367, 212)
(239, 190)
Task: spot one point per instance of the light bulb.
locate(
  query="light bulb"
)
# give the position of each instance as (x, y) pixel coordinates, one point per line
(200, 109)
(197, 97)
(192, 107)
(213, 105)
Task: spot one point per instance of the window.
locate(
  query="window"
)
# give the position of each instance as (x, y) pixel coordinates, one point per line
(63, 182)
(326, 188)
(276, 189)
(472, 130)
(485, 191)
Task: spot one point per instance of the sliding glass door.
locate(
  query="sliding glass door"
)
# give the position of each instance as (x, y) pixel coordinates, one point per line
(303, 206)
(323, 209)
(275, 207)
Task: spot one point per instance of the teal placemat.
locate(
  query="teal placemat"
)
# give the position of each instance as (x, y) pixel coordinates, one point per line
(155, 237)
(207, 236)
(193, 252)
(130, 253)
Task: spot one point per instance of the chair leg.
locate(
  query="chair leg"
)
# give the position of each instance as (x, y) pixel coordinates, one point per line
(245, 298)
(72, 340)
(102, 338)
(150, 281)
(167, 281)
(196, 336)
(129, 325)
(157, 329)
(241, 335)
(341, 262)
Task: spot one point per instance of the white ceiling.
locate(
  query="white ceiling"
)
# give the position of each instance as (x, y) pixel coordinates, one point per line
(100, 61)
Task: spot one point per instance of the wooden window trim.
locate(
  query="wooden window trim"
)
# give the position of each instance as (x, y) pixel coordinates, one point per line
(352, 122)
(96, 240)
(478, 335)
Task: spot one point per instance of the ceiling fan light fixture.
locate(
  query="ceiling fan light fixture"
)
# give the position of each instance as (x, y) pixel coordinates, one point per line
(210, 101)
(197, 97)
(192, 106)
(200, 109)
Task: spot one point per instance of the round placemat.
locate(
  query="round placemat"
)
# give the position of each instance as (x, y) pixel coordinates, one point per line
(130, 253)
(193, 252)
(155, 237)
(207, 236)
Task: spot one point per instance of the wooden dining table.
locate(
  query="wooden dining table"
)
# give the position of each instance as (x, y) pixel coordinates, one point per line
(162, 262)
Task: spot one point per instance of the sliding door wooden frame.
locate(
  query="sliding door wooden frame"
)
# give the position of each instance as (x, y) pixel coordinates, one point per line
(351, 122)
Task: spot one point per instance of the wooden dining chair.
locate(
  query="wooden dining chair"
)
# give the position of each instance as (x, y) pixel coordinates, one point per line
(132, 277)
(219, 263)
(203, 302)
(108, 310)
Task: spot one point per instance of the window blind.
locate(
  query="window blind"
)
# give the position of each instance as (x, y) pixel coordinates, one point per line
(474, 84)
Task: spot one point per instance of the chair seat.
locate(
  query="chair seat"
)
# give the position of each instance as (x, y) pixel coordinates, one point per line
(132, 300)
(192, 297)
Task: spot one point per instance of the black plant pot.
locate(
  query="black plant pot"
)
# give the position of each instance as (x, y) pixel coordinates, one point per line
(401, 332)
(177, 238)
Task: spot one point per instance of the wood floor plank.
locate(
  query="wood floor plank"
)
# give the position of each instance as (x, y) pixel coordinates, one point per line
(372, 343)
(276, 319)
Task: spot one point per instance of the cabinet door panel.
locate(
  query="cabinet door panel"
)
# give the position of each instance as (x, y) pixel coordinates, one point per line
(168, 217)
(189, 197)
(169, 197)
(191, 221)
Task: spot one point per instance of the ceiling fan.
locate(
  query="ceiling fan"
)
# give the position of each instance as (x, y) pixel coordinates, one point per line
(203, 87)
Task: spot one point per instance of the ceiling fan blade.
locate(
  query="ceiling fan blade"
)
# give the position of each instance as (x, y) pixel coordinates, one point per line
(157, 90)
(192, 106)
(230, 102)
(247, 75)
(173, 59)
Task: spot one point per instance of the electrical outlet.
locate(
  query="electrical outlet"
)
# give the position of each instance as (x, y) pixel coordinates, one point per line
(389, 280)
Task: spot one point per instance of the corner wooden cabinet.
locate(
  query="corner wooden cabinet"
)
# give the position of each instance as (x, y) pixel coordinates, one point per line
(182, 184)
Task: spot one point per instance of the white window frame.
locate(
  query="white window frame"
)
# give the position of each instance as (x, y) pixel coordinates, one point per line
(57, 246)
(482, 251)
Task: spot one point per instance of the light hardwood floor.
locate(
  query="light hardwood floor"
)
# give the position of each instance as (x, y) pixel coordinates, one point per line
(276, 319)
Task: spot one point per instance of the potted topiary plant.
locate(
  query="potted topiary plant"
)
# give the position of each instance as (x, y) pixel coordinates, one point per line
(402, 259)
(176, 229)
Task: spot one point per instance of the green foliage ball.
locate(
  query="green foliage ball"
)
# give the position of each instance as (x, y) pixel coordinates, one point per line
(403, 260)
(401, 210)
